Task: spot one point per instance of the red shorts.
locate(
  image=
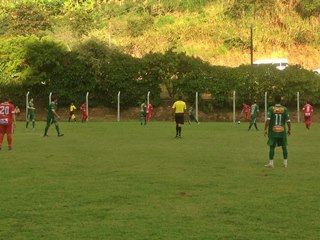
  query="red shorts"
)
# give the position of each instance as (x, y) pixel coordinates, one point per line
(307, 119)
(6, 128)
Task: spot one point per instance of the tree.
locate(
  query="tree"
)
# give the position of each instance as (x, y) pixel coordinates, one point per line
(26, 19)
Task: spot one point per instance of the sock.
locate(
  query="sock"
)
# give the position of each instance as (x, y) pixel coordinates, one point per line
(271, 153)
(33, 124)
(1, 139)
(285, 152)
(255, 125)
(9, 139)
(177, 130)
(285, 162)
(46, 130)
(58, 130)
(271, 162)
(27, 124)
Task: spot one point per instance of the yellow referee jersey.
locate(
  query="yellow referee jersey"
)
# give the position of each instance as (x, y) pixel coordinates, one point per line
(72, 108)
(179, 106)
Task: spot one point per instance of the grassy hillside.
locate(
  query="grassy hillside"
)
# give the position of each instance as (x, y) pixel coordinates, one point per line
(210, 33)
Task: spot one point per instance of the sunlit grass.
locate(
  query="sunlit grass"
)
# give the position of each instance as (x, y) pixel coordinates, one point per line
(108, 180)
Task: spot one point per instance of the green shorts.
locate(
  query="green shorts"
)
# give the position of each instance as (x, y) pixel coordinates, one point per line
(51, 120)
(274, 142)
(31, 116)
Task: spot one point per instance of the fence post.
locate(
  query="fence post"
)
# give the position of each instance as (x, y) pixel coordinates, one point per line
(298, 107)
(118, 115)
(87, 105)
(148, 98)
(265, 105)
(50, 95)
(27, 104)
(234, 106)
(197, 107)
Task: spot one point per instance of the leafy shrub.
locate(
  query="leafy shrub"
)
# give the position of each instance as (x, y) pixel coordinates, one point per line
(27, 19)
(236, 43)
(137, 26)
(308, 8)
(164, 20)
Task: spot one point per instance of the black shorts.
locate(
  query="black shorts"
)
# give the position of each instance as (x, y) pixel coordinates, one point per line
(179, 117)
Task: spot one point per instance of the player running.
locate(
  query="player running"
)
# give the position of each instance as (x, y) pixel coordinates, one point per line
(30, 113)
(275, 128)
(149, 110)
(84, 115)
(247, 111)
(52, 117)
(72, 108)
(307, 112)
(7, 122)
(253, 115)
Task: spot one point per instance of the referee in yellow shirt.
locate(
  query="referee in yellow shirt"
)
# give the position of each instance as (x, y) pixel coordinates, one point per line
(179, 107)
(71, 112)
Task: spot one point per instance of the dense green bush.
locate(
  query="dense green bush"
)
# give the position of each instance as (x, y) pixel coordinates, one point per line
(25, 19)
(137, 26)
(42, 66)
(308, 8)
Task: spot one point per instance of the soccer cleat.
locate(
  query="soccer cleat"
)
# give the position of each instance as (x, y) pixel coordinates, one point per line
(10, 148)
(269, 165)
(46, 135)
(61, 135)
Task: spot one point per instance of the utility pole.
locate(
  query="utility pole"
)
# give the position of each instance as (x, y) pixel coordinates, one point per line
(251, 32)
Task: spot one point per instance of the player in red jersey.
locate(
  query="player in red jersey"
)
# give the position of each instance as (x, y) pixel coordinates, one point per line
(84, 114)
(149, 111)
(307, 112)
(246, 110)
(7, 122)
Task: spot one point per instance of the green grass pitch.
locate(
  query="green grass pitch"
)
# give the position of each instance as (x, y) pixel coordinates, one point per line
(121, 181)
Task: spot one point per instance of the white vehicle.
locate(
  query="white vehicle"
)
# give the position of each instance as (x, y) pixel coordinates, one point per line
(280, 63)
(317, 71)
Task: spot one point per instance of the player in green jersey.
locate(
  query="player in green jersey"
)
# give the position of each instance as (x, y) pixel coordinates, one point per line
(30, 114)
(142, 114)
(192, 117)
(275, 128)
(254, 113)
(52, 117)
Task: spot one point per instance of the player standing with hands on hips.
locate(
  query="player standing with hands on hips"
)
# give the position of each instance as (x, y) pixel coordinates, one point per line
(275, 128)
(179, 107)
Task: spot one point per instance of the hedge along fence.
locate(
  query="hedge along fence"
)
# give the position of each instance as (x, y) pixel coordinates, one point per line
(42, 66)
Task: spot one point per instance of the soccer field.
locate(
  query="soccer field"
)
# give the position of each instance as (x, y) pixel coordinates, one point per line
(120, 181)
